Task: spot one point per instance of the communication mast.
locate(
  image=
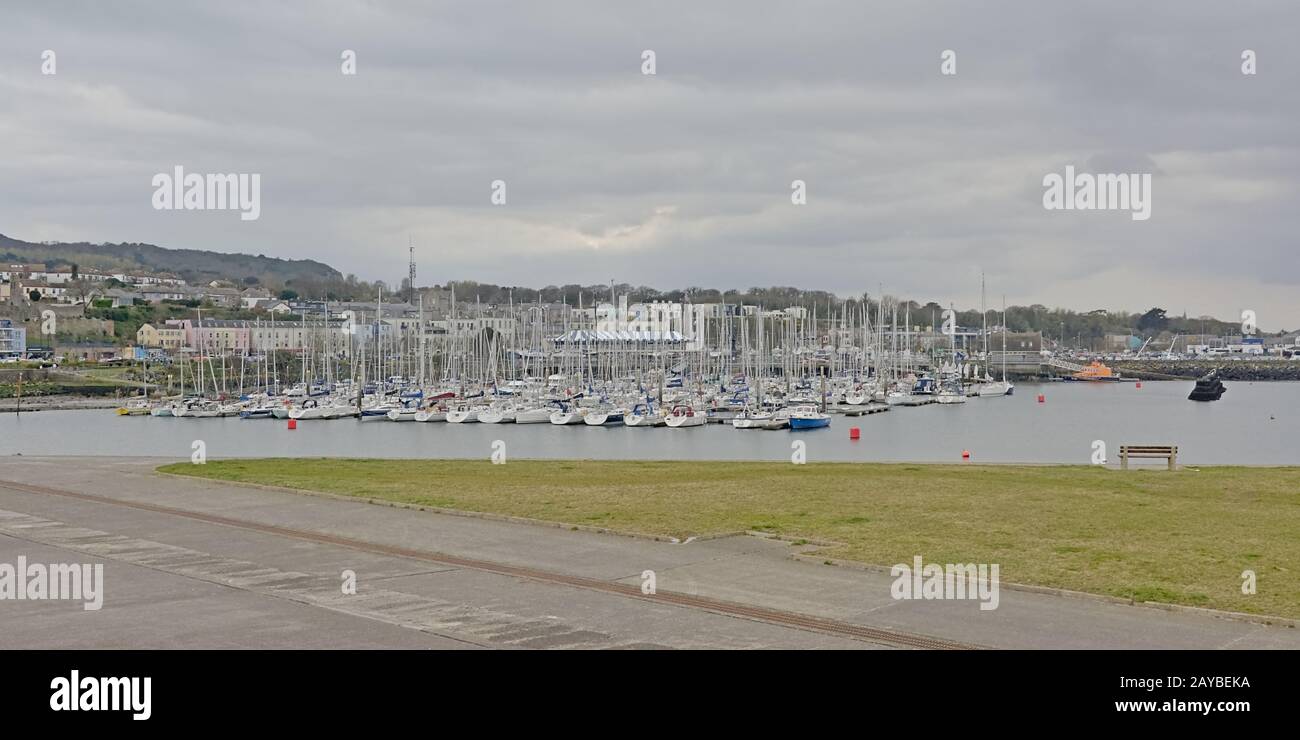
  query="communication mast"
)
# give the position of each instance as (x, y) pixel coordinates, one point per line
(410, 294)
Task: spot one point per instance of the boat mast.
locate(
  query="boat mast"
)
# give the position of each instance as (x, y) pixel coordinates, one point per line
(1004, 339)
(985, 331)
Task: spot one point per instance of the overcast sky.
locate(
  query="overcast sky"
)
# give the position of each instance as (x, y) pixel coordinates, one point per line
(915, 180)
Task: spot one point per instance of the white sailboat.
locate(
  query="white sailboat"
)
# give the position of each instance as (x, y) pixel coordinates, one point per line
(464, 414)
(498, 413)
(605, 417)
(402, 413)
(645, 416)
(310, 409)
(751, 419)
(539, 415)
(780, 420)
(1001, 387)
(433, 413)
(570, 415)
(683, 417)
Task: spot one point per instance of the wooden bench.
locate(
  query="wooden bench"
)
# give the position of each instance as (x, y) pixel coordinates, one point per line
(1166, 451)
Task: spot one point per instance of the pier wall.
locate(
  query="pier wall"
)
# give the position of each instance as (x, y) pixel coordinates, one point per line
(1229, 369)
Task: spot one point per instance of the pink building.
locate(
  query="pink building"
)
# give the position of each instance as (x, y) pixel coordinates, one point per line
(214, 337)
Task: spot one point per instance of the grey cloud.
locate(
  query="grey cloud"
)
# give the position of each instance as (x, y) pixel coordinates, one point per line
(915, 180)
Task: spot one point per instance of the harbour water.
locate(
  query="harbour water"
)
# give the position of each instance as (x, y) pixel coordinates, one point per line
(1255, 424)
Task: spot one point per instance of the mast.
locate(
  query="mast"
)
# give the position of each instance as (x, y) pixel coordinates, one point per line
(1004, 339)
(985, 314)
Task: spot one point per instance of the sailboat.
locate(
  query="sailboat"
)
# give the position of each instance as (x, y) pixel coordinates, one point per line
(431, 413)
(751, 418)
(465, 413)
(405, 412)
(537, 415)
(644, 415)
(567, 415)
(605, 417)
(780, 419)
(1001, 387)
(501, 412)
(682, 417)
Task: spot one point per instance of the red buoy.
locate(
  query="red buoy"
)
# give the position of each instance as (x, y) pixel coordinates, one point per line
(965, 454)
(1139, 384)
(1042, 398)
(854, 433)
(293, 423)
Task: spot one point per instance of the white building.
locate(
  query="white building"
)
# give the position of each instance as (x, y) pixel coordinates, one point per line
(47, 291)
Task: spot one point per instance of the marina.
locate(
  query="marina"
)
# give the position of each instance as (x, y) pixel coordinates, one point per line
(679, 365)
(856, 381)
(1258, 427)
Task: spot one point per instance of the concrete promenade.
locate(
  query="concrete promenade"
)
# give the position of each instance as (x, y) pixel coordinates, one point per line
(175, 581)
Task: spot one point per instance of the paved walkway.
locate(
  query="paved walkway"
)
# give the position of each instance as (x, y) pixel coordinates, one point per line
(177, 581)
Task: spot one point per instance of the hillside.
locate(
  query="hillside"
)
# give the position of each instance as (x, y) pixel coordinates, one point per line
(194, 265)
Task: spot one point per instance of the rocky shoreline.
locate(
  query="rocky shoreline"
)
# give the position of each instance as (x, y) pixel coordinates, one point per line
(1191, 369)
(58, 403)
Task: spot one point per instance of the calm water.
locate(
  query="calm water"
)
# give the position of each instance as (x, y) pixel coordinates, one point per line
(1255, 424)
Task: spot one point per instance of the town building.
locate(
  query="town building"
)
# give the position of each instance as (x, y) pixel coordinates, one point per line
(116, 297)
(160, 293)
(211, 336)
(162, 337)
(271, 305)
(13, 339)
(46, 291)
(16, 271)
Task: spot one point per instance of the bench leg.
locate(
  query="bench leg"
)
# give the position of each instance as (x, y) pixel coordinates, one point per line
(1123, 461)
(1172, 458)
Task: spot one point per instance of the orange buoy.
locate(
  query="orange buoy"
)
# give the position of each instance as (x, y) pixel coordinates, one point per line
(293, 423)
(854, 433)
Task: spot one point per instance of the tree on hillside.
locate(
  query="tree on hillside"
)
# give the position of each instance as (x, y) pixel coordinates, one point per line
(80, 288)
(1153, 321)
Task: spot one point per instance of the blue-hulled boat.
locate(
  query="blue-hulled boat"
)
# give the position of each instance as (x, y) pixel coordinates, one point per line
(808, 417)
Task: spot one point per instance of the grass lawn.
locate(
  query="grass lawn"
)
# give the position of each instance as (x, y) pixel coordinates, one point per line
(1182, 537)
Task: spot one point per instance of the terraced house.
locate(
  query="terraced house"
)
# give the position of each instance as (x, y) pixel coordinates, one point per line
(161, 337)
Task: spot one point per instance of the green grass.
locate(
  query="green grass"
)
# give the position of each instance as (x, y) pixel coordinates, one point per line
(1182, 537)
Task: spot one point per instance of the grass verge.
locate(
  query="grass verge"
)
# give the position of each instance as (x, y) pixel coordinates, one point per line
(1182, 537)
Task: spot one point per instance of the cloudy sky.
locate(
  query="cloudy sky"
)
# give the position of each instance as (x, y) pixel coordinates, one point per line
(915, 180)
